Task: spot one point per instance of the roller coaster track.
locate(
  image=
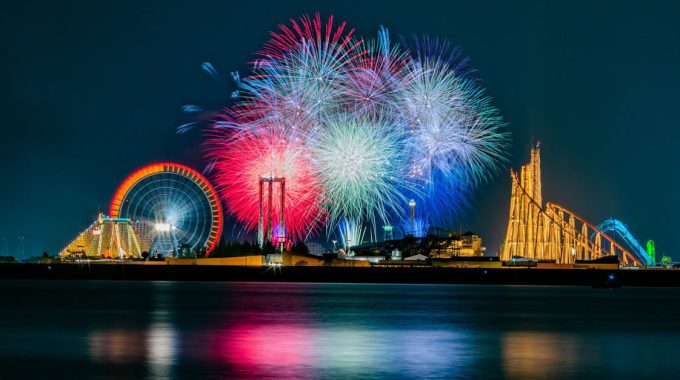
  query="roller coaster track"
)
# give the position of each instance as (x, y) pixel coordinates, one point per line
(590, 242)
(613, 226)
(553, 233)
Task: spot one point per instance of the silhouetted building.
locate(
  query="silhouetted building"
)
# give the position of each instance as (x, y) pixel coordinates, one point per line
(431, 246)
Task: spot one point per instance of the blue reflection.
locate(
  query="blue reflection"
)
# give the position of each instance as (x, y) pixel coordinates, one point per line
(256, 330)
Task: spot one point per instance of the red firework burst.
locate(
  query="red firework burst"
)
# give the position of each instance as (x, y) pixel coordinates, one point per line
(313, 30)
(242, 158)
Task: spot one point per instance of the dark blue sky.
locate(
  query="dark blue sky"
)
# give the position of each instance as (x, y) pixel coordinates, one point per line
(92, 91)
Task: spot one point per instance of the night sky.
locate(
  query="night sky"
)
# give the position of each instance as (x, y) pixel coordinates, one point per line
(91, 92)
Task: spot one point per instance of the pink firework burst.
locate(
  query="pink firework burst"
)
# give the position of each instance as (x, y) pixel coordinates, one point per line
(295, 80)
(336, 42)
(374, 79)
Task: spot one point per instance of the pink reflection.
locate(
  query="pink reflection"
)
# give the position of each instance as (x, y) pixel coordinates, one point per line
(253, 347)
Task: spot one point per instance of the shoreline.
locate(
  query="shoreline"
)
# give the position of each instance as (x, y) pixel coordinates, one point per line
(427, 275)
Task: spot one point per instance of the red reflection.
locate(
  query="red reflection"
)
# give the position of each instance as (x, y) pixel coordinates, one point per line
(260, 345)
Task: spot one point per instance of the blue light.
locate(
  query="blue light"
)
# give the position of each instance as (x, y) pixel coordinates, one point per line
(616, 226)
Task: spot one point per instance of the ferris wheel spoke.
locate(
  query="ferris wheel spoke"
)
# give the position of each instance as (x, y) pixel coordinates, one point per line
(171, 209)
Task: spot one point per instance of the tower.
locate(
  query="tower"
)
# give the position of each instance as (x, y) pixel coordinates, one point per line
(270, 180)
(526, 203)
(21, 246)
(412, 220)
(651, 251)
(387, 230)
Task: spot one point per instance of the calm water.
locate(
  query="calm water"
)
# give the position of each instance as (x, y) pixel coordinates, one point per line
(248, 330)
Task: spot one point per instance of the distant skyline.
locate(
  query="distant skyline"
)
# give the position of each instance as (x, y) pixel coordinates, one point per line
(92, 92)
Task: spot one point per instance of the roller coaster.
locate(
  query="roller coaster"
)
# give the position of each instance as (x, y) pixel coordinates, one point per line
(554, 233)
(614, 227)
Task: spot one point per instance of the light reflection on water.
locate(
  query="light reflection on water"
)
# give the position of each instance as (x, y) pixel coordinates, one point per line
(536, 354)
(185, 330)
(161, 349)
(115, 346)
(162, 339)
(290, 350)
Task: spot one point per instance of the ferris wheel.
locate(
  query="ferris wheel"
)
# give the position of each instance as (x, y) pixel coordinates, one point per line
(173, 208)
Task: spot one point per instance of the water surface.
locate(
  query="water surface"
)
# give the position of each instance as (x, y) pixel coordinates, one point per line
(108, 330)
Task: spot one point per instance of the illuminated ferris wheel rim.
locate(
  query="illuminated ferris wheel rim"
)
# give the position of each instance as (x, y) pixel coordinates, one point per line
(178, 169)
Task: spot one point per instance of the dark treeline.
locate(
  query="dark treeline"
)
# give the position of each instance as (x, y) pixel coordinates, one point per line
(245, 248)
(236, 248)
(300, 247)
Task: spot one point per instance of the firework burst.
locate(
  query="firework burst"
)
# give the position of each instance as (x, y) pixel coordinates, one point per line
(455, 138)
(351, 233)
(295, 81)
(359, 162)
(253, 157)
(371, 85)
(357, 128)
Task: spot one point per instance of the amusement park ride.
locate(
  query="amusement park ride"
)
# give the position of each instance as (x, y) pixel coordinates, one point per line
(554, 233)
(270, 180)
(106, 237)
(163, 209)
(171, 210)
